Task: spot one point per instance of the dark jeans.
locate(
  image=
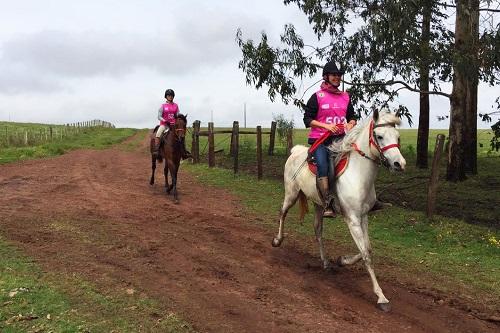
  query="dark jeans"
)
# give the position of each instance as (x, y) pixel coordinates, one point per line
(321, 158)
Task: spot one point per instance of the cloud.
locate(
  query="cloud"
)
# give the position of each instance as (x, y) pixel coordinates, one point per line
(18, 78)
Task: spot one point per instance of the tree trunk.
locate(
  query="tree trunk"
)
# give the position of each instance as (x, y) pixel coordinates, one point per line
(471, 101)
(462, 96)
(423, 119)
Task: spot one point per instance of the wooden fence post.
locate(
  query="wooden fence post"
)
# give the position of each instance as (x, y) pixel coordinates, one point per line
(259, 152)
(195, 144)
(211, 145)
(272, 137)
(236, 145)
(231, 146)
(433, 181)
(289, 142)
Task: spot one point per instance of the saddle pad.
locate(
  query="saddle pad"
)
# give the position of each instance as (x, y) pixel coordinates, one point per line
(340, 166)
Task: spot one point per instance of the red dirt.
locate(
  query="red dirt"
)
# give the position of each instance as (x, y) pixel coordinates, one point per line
(93, 213)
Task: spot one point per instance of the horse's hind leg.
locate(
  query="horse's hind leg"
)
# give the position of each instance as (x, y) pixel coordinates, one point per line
(357, 229)
(318, 230)
(153, 167)
(291, 196)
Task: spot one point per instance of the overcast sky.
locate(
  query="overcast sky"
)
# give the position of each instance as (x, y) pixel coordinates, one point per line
(66, 61)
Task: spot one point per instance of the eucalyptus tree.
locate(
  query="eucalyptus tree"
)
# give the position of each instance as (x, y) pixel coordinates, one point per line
(386, 46)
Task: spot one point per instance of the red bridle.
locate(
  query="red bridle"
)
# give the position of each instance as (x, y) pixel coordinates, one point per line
(373, 142)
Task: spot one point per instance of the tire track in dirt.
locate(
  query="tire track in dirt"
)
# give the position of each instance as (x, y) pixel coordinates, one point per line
(93, 213)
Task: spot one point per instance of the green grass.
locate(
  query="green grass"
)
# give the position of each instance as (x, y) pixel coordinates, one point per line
(441, 253)
(35, 301)
(93, 137)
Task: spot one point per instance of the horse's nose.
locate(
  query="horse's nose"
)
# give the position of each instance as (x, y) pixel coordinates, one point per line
(400, 166)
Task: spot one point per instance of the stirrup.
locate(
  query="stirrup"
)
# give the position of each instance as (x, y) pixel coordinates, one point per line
(329, 212)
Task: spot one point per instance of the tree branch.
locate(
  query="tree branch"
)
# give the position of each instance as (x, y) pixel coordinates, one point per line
(491, 10)
(406, 86)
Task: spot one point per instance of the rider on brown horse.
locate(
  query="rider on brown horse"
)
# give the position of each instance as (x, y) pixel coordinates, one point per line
(166, 116)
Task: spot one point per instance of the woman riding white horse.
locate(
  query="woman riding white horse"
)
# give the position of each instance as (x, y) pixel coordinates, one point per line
(368, 145)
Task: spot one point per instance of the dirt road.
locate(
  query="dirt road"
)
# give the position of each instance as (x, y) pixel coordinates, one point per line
(94, 213)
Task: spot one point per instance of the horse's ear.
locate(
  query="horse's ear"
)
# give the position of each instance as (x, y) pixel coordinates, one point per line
(375, 115)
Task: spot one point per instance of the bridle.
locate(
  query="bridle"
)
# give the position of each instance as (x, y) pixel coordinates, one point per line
(179, 132)
(382, 160)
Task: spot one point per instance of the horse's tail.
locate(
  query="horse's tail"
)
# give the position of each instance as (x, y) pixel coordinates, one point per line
(304, 208)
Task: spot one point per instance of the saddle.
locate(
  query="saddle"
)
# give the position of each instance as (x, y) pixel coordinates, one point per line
(340, 165)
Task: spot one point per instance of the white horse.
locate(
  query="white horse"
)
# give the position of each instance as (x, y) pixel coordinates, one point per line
(369, 144)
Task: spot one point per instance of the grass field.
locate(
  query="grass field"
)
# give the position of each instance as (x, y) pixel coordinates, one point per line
(90, 137)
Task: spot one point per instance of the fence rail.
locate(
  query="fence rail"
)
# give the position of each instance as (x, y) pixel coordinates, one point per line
(31, 135)
(234, 145)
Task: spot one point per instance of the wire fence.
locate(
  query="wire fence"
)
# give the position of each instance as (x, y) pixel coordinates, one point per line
(26, 135)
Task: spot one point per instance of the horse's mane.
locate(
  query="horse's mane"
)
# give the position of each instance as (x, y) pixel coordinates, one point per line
(383, 118)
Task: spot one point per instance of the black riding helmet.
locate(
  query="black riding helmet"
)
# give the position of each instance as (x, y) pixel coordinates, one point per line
(331, 68)
(169, 92)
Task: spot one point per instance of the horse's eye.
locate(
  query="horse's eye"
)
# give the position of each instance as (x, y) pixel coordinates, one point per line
(379, 137)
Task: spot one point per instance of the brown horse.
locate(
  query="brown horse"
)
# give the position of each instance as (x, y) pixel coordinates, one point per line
(171, 149)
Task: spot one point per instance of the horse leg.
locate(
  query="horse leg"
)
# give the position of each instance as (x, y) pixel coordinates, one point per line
(318, 230)
(356, 228)
(153, 167)
(165, 173)
(349, 259)
(291, 196)
(173, 173)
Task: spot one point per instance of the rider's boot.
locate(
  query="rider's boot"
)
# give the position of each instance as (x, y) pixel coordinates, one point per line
(156, 147)
(324, 190)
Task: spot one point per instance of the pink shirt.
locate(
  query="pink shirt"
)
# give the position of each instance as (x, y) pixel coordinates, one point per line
(168, 112)
(332, 109)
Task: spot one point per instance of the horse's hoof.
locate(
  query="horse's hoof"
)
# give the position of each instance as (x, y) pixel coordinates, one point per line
(276, 242)
(327, 266)
(176, 201)
(385, 307)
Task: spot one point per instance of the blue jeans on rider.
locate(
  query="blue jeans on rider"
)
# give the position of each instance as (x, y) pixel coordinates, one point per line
(321, 157)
